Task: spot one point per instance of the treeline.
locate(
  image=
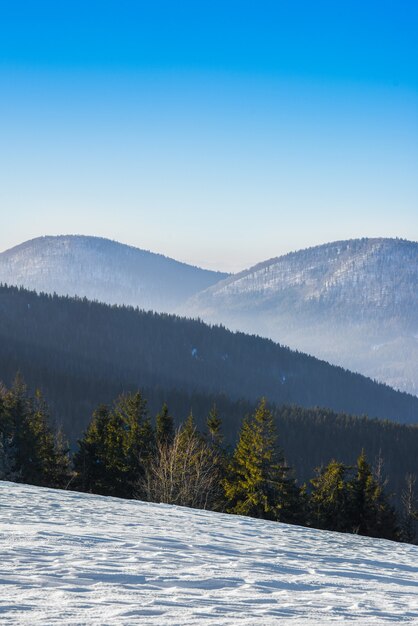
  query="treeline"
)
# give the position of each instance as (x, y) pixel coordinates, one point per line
(310, 436)
(125, 453)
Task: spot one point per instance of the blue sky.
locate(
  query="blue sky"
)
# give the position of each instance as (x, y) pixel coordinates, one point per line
(219, 133)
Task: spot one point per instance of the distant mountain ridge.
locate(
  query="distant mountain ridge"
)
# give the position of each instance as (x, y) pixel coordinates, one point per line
(49, 337)
(353, 303)
(104, 270)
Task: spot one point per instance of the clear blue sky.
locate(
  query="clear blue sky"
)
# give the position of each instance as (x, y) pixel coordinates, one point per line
(219, 133)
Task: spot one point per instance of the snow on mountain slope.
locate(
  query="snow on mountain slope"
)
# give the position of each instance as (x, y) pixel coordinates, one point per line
(104, 270)
(70, 558)
(353, 303)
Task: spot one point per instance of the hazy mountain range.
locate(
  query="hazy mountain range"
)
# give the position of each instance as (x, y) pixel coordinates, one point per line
(353, 303)
(104, 270)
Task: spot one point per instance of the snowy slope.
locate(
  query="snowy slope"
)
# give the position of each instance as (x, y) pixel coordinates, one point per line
(69, 558)
(103, 270)
(353, 303)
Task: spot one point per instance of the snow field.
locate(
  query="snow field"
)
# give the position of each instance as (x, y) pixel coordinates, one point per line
(70, 558)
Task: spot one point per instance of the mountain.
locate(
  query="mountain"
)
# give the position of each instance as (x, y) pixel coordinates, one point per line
(75, 558)
(104, 270)
(353, 303)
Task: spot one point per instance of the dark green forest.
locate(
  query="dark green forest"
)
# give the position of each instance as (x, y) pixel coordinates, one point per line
(126, 453)
(82, 353)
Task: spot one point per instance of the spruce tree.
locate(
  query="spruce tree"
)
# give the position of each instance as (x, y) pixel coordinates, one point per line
(164, 427)
(214, 423)
(29, 449)
(371, 512)
(17, 410)
(188, 428)
(8, 467)
(258, 483)
(330, 498)
(90, 459)
(49, 462)
(138, 440)
(409, 516)
(220, 455)
(116, 448)
(188, 437)
(62, 473)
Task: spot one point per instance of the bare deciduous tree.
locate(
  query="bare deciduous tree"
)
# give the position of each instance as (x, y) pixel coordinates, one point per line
(184, 472)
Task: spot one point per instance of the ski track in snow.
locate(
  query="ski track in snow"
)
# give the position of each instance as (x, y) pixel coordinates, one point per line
(71, 558)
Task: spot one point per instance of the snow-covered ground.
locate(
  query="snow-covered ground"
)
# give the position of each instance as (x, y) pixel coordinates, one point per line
(69, 558)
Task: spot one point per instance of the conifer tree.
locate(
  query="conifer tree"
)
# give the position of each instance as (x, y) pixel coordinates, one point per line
(62, 473)
(409, 517)
(138, 439)
(187, 440)
(188, 428)
(17, 410)
(49, 461)
(371, 513)
(116, 448)
(8, 470)
(29, 450)
(214, 427)
(164, 426)
(220, 454)
(330, 498)
(258, 483)
(90, 459)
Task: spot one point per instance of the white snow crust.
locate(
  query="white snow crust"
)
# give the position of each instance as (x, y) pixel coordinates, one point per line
(70, 558)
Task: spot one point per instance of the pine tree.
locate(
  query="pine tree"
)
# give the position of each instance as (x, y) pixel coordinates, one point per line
(258, 484)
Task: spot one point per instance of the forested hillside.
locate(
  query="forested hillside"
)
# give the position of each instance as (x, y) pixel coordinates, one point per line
(82, 352)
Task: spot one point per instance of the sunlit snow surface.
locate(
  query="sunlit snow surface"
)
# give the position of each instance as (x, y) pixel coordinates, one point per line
(69, 558)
